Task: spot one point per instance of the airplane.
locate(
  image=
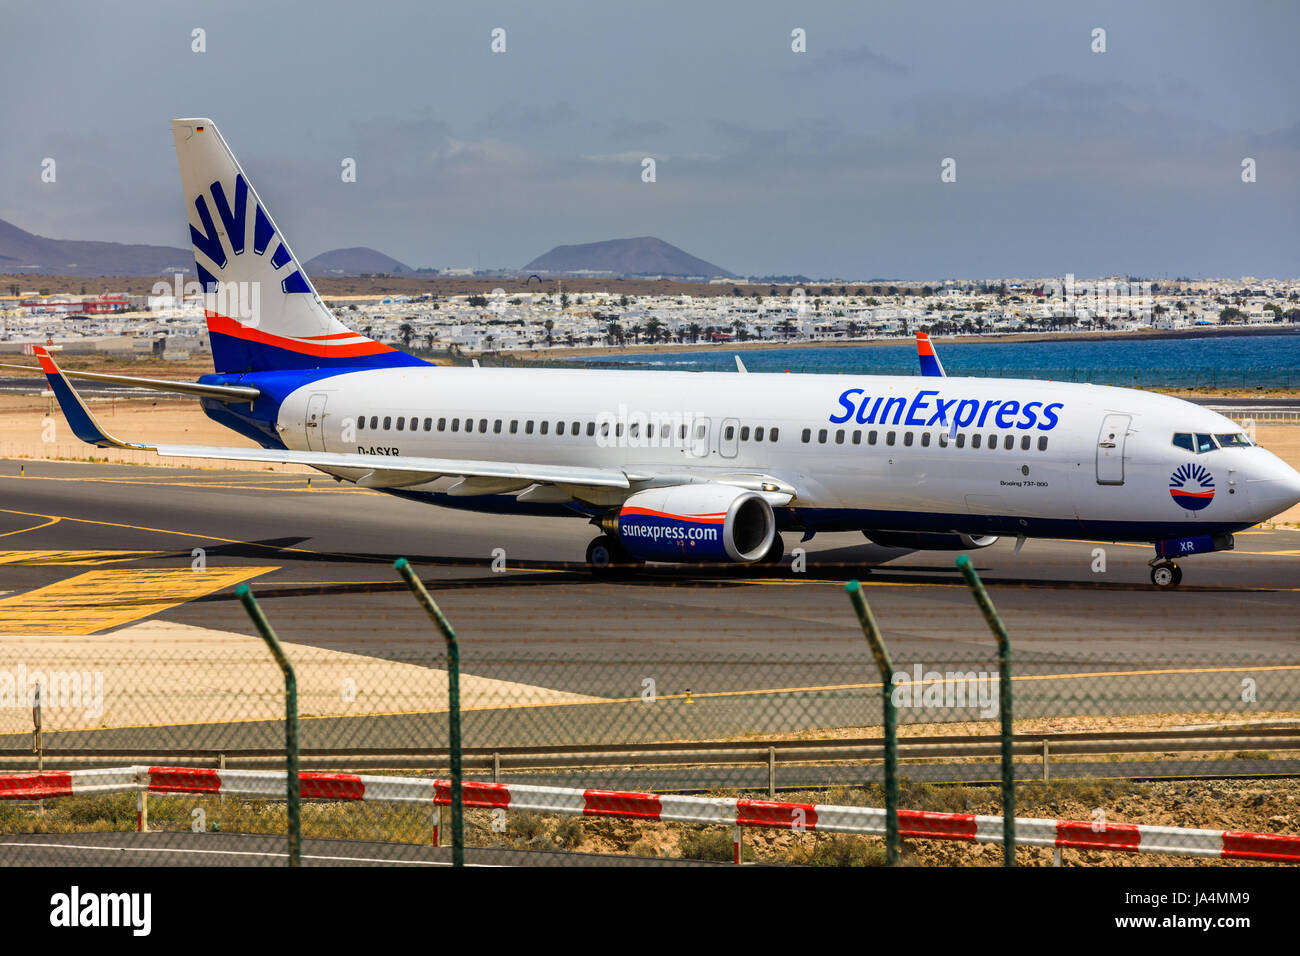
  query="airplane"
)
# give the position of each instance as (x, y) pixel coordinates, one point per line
(929, 358)
(705, 467)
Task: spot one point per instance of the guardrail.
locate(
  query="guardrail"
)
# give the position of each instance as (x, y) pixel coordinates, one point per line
(736, 813)
(771, 754)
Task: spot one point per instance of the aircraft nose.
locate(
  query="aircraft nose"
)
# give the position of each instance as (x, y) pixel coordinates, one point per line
(1277, 491)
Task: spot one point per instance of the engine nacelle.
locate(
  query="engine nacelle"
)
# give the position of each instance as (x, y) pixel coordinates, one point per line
(704, 522)
(929, 540)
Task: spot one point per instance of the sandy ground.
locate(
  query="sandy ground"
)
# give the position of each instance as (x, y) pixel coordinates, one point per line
(157, 672)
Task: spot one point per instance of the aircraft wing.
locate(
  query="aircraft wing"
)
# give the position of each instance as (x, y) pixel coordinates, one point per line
(382, 470)
(930, 364)
(398, 471)
(224, 393)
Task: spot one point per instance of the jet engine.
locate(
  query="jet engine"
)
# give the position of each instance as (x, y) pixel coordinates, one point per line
(703, 522)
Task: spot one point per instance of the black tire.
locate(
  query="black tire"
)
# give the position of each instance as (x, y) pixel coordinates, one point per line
(1166, 575)
(606, 557)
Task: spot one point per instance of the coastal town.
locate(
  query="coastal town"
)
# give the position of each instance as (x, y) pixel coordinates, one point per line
(168, 322)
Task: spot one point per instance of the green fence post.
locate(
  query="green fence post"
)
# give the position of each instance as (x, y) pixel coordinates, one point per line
(293, 793)
(1004, 707)
(453, 707)
(869, 628)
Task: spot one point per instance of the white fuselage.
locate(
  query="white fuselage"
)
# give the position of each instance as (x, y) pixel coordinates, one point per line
(863, 451)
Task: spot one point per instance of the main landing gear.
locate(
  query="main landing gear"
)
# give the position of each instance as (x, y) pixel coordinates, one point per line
(1166, 574)
(607, 557)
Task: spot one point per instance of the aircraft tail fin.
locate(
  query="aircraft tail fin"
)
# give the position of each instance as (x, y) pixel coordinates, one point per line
(263, 313)
(930, 364)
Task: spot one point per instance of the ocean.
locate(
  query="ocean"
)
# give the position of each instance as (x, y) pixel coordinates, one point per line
(1243, 361)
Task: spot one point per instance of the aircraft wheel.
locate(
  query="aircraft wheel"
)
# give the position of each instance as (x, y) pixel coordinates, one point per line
(1166, 575)
(607, 557)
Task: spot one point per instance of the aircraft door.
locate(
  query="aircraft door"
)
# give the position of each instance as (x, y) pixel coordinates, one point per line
(315, 424)
(1110, 449)
(697, 446)
(729, 439)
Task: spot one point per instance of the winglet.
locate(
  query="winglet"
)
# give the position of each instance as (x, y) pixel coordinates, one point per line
(930, 364)
(84, 425)
(740, 366)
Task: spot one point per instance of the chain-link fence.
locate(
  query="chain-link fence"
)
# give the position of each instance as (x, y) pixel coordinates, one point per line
(691, 756)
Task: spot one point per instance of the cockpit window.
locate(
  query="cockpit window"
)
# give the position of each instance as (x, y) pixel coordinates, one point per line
(1204, 443)
(1234, 440)
(1184, 440)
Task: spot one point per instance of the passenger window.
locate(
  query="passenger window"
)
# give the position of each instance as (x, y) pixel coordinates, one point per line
(528, 427)
(857, 436)
(821, 436)
(871, 437)
(428, 424)
(400, 422)
(455, 424)
(1025, 442)
(575, 428)
(514, 426)
(807, 435)
(943, 439)
(925, 439)
(469, 424)
(442, 424)
(758, 433)
(591, 429)
(559, 428)
(496, 427)
(907, 439)
(361, 423)
(961, 439)
(730, 432)
(388, 422)
(772, 435)
(618, 429)
(681, 433)
(744, 433)
(701, 430)
(1009, 442)
(482, 425)
(374, 421)
(975, 440)
(1042, 443)
(889, 438)
(1204, 443)
(663, 432)
(604, 429)
(839, 436)
(545, 427)
(993, 442)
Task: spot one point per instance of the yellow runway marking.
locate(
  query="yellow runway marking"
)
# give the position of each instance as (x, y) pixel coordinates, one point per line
(97, 600)
(38, 527)
(183, 534)
(43, 558)
(253, 484)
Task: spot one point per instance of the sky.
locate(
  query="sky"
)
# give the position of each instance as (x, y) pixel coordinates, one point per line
(825, 163)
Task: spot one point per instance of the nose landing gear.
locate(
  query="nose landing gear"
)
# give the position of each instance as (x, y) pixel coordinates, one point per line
(1165, 574)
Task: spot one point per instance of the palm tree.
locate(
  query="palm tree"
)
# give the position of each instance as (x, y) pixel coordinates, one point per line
(408, 333)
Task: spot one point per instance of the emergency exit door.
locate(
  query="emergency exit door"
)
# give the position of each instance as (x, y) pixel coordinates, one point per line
(315, 423)
(1110, 449)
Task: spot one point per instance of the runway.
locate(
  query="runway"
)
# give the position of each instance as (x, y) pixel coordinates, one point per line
(720, 651)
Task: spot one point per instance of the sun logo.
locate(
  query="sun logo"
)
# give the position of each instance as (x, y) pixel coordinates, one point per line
(1192, 487)
(233, 226)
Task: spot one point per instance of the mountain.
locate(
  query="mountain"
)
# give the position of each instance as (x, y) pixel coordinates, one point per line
(22, 251)
(646, 256)
(351, 262)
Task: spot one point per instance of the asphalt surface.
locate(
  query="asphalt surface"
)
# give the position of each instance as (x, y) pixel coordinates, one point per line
(728, 652)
